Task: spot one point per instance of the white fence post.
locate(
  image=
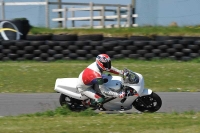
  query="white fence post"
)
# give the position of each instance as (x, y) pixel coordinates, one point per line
(118, 16)
(65, 18)
(91, 14)
(129, 15)
(73, 15)
(47, 13)
(2, 10)
(103, 17)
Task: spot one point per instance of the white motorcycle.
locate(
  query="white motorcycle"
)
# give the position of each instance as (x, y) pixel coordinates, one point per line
(142, 99)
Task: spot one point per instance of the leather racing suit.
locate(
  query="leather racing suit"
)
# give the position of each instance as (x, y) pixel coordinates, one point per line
(93, 75)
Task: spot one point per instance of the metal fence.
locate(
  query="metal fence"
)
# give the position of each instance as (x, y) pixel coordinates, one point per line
(121, 13)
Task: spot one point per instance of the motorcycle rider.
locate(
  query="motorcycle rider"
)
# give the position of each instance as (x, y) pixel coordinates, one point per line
(92, 75)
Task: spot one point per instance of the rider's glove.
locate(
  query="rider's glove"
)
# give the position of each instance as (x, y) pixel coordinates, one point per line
(122, 94)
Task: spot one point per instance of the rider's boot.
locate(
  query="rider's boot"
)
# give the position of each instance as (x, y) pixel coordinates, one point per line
(93, 103)
(97, 103)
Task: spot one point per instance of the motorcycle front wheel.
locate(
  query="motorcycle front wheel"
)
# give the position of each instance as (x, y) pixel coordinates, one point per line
(148, 103)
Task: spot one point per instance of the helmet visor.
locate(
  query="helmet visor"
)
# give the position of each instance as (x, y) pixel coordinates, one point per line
(107, 64)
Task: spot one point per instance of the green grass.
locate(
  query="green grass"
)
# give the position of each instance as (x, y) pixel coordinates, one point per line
(63, 121)
(125, 32)
(160, 76)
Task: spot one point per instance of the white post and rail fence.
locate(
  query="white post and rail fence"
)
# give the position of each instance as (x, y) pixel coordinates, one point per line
(121, 13)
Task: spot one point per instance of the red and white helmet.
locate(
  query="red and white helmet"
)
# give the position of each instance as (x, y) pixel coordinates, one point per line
(104, 62)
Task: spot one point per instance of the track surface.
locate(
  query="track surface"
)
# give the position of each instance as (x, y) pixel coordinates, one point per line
(22, 103)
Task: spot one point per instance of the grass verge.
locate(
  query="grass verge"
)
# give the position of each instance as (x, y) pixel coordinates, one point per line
(63, 121)
(125, 32)
(161, 75)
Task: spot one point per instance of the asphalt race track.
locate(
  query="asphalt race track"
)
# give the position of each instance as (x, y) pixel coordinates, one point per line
(25, 103)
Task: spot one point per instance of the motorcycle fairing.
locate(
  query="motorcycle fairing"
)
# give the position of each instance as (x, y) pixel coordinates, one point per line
(67, 86)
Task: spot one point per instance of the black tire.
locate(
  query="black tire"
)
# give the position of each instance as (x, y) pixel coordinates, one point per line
(193, 47)
(73, 55)
(81, 58)
(66, 52)
(73, 47)
(197, 42)
(21, 52)
(6, 44)
(149, 55)
(22, 44)
(65, 37)
(194, 55)
(178, 46)
(13, 56)
(118, 56)
(29, 49)
(187, 51)
(58, 48)
(107, 39)
(44, 47)
(66, 44)
(132, 48)
(51, 52)
(111, 53)
(38, 37)
(148, 47)
(186, 42)
(134, 56)
(163, 47)
(6, 51)
(178, 54)
(140, 38)
(162, 38)
(191, 38)
(155, 44)
(140, 44)
(81, 52)
(125, 43)
(44, 56)
(58, 56)
(36, 44)
(186, 58)
(94, 37)
(51, 44)
(149, 103)
(170, 42)
(37, 58)
(164, 55)
(28, 56)
(110, 45)
(95, 52)
(1, 56)
(118, 48)
(171, 50)
(72, 104)
(13, 48)
(89, 56)
(37, 52)
(141, 52)
(96, 43)
(88, 48)
(126, 52)
(50, 59)
(100, 48)
(80, 44)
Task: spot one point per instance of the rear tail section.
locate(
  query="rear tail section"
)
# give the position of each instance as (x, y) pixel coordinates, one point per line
(67, 86)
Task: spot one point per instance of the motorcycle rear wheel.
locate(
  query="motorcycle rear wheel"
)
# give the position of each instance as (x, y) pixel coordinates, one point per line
(149, 103)
(71, 103)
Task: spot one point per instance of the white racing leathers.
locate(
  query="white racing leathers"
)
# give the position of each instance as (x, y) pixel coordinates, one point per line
(92, 75)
